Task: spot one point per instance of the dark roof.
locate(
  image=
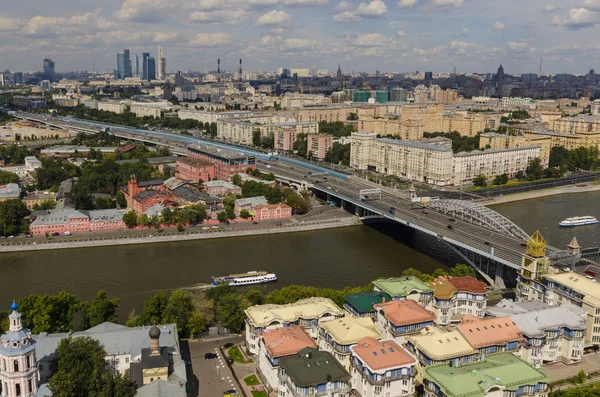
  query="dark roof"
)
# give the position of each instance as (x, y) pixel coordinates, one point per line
(127, 161)
(148, 361)
(363, 302)
(150, 183)
(311, 367)
(188, 194)
(147, 194)
(162, 160)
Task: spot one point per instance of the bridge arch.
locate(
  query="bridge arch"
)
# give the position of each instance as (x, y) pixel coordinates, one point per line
(479, 214)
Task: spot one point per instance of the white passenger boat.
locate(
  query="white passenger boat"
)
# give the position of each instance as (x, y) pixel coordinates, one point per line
(578, 221)
(249, 278)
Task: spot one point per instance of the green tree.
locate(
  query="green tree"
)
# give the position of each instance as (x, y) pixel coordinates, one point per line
(102, 309)
(230, 312)
(222, 217)
(45, 205)
(167, 216)
(121, 201)
(12, 217)
(154, 308)
(338, 154)
(103, 203)
(130, 219)
(301, 144)
(501, 179)
(245, 214)
(520, 175)
(559, 157)
(480, 180)
(8, 177)
(178, 310)
(115, 385)
(352, 116)
(534, 169)
(49, 313)
(462, 270)
(256, 137)
(197, 324)
(236, 180)
(255, 297)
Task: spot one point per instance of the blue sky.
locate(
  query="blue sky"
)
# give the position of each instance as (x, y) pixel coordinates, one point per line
(389, 35)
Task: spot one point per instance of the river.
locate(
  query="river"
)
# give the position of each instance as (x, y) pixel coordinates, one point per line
(334, 258)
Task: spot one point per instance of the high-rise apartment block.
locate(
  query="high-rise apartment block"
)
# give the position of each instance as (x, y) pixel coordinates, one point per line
(48, 65)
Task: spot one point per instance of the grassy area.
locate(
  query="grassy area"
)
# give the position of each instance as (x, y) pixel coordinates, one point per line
(256, 393)
(237, 356)
(252, 380)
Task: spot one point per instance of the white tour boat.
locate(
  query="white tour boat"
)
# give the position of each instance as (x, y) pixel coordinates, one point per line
(578, 221)
(249, 278)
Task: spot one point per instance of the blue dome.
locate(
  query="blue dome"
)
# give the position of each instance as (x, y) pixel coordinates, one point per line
(14, 306)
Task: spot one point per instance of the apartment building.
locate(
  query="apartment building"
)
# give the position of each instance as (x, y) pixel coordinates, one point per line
(319, 145)
(406, 287)
(236, 131)
(431, 115)
(211, 117)
(382, 368)
(194, 170)
(329, 114)
(111, 106)
(293, 100)
(572, 288)
(227, 162)
(491, 334)
(361, 304)
(279, 343)
(306, 312)
(491, 163)
(400, 318)
(457, 296)
(338, 336)
(412, 160)
(493, 140)
(313, 373)
(433, 346)
(551, 333)
(285, 138)
(576, 124)
(466, 126)
(498, 375)
(411, 130)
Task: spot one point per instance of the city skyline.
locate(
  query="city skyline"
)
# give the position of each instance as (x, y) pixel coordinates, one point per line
(391, 36)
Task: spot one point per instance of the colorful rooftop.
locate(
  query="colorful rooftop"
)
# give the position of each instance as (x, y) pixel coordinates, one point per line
(349, 330)
(311, 308)
(311, 367)
(402, 286)
(469, 284)
(503, 370)
(286, 341)
(439, 346)
(490, 331)
(404, 312)
(363, 302)
(442, 288)
(385, 354)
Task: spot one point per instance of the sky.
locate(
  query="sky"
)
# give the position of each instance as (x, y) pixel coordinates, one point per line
(368, 35)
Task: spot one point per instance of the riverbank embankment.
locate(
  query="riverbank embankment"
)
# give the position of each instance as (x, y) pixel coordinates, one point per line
(176, 237)
(570, 189)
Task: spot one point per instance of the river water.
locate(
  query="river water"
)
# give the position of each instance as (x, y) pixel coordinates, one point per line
(334, 258)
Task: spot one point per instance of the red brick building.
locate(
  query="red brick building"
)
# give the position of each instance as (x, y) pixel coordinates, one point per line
(142, 195)
(227, 162)
(272, 211)
(194, 169)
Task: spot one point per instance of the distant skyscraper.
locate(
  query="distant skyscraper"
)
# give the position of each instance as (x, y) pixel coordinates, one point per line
(151, 69)
(145, 57)
(339, 74)
(48, 69)
(18, 77)
(137, 65)
(123, 65)
(428, 76)
(500, 74)
(162, 64)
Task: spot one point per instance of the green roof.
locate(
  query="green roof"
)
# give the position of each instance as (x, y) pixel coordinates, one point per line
(402, 286)
(476, 378)
(311, 367)
(363, 302)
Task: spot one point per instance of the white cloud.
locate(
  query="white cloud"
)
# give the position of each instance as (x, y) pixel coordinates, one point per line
(371, 40)
(210, 40)
(549, 8)
(464, 31)
(298, 45)
(77, 24)
(346, 16)
(270, 40)
(344, 6)
(277, 30)
(274, 18)
(373, 9)
(426, 34)
(9, 24)
(220, 16)
(144, 10)
(406, 3)
(444, 5)
(593, 5)
(577, 18)
(301, 3)
(498, 26)
(400, 33)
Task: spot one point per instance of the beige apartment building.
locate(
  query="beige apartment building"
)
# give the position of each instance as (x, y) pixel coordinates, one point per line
(578, 124)
(466, 126)
(210, 117)
(491, 163)
(237, 131)
(492, 140)
(319, 145)
(325, 113)
(406, 129)
(147, 110)
(431, 115)
(298, 101)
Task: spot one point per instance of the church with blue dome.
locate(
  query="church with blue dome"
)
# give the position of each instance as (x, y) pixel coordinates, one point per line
(18, 364)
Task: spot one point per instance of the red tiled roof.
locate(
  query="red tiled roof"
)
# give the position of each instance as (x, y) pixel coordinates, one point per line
(287, 341)
(406, 311)
(385, 354)
(468, 284)
(489, 331)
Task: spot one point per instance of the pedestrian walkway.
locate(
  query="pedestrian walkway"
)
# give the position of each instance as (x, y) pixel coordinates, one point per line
(560, 371)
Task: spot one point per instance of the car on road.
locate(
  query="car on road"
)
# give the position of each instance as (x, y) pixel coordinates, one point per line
(215, 227)
(228, 345)
(452, 220)
(55, 234)
(450, 227)
(487, 243)
(425, 212)
(210, 356)
(329, 187)
(205, 228)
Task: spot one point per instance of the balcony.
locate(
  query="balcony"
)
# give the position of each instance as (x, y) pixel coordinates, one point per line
(383, 381)
(313, 392)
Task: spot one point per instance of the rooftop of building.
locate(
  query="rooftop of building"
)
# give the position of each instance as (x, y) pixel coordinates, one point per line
(405, 312)
(350, 329)
(161, 160)
(286, 341)
(491, 151)
(363, 301)
(439, 345)
(146, 194)
(475, 379)
(311, 367)
(251, 201)
(469, 284)
(482, 332)
(310, 308)
(214, 151)
(220, 183)
(384, 354)
(188, 194)
(442, 288)
(402, 286)
(578, 283)
(194, 162)
(40, 196)
(10, 190)
(77, 148)
(161, 388)
(413, 144)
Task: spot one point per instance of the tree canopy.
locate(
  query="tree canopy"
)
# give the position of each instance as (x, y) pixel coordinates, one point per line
(12, 217)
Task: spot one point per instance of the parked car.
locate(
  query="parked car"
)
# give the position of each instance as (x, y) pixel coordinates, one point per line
(228, 345)
(450, 227)
(209, 356)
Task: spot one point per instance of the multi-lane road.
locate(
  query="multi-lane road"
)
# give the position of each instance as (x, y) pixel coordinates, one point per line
(486, 242)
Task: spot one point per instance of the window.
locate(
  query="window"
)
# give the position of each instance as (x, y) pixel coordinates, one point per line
(16, 365)
(126, 360)
(378, 389)
(18, 389)
(41, 367)
(29, 386)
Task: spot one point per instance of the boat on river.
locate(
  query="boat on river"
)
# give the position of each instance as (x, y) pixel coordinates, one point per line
(578, 221)
(253, 277)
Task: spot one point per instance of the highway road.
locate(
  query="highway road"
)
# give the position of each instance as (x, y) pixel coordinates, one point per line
(502, 248)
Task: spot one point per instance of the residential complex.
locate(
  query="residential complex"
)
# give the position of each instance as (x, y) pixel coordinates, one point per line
(362, 304)
(73, 221)
(457, 296)
(238, 131)
(433, 346)
(406, 287)
(306, 312)
(490, 334)
(227, 163)
(210, 117)
(319, 144)
(399, 318)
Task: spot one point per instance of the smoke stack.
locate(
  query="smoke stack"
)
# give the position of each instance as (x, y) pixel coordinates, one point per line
(219, 70)
(240, 70)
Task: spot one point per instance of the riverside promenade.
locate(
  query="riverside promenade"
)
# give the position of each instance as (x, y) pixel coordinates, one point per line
(158, 237)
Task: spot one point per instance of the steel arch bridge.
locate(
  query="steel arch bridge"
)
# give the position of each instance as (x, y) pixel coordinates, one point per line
(479, 214)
